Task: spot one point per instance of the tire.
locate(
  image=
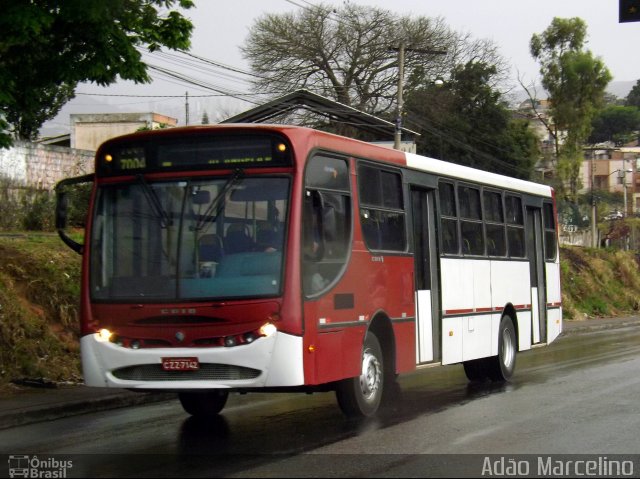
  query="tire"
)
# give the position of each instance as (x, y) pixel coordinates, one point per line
(476, 370)
(204, 404)
(361, 396)
(501, 367)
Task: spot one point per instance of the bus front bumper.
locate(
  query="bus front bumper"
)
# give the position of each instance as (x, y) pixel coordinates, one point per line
(274, 361)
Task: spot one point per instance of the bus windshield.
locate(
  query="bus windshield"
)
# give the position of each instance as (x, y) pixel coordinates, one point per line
(188, 240)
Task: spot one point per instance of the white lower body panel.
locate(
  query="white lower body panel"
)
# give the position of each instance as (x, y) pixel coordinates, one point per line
(276, 361)
(424, 336)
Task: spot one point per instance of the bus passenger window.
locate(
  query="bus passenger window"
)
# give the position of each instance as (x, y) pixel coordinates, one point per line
(494, 223)
(471, 229)
(550, 245)
(382, 213)
(449, 236)
(515, 227)
(449, 220)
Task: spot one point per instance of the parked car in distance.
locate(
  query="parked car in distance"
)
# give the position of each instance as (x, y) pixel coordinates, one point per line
(614, 215)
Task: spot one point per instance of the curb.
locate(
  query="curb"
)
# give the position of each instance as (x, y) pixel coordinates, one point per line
(26, 414)
(580, 326)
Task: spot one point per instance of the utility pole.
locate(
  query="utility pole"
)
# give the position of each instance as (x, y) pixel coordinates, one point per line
(624, 184)
(186, 108)
(594, 219)
(397, 137)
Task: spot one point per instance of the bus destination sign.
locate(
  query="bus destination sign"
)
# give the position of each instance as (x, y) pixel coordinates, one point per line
(228, 152)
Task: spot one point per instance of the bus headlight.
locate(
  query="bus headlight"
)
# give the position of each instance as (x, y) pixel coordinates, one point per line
(268, 329)
(104, 335)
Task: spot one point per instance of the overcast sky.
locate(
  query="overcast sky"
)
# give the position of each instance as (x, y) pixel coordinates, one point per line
(221, 27)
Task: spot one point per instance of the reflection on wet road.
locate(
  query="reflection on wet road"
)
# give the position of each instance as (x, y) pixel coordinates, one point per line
(576, 396)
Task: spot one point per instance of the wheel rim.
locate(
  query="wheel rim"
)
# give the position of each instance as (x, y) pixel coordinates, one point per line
(508, 349)
(371, 377)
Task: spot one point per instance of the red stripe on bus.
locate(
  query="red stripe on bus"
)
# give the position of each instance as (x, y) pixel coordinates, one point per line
(458, 311)
(497, 309)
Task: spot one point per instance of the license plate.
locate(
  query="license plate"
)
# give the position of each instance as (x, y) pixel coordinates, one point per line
(180, 364)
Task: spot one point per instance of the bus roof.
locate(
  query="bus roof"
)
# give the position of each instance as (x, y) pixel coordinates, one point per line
(310, 139)
(475, 175)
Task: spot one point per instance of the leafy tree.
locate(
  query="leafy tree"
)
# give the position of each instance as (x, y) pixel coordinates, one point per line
(465, 121)
(576, 83)
(616, 124)
(347, 53)
(49, 46)
(205, 118)
(633, 98)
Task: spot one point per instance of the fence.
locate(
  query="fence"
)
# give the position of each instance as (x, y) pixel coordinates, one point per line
(28, 174)
(38, 166)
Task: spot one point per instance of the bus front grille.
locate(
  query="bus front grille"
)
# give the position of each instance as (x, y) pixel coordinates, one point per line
(207, 371)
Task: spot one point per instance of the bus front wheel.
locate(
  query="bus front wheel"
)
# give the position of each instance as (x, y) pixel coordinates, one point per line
(502, 366)
(361, 396)
(204, 403)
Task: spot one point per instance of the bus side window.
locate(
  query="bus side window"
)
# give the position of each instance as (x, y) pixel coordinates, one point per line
(471, 228)
(494, 223)
(382, 213)
(550, 245)
(449, 220)
(515, 227)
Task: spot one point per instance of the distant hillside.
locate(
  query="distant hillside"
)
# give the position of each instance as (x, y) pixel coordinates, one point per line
(621, 88)
(618, 88)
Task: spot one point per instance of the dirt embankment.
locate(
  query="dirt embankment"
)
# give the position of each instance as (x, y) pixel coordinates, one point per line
(599, 282)
(39, 291)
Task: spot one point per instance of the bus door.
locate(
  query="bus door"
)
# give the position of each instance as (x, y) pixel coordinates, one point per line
(536, 269)
(426, 276)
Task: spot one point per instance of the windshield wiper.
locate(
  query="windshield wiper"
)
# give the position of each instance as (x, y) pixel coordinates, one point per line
(218, 202)
(154, 202)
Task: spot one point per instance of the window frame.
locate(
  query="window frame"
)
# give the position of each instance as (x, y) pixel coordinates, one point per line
(472, 221)
(346, 193)
(549, 231)
(382, 208)
(521, 227)
(506, 225)
(453, 219)
(488, 222)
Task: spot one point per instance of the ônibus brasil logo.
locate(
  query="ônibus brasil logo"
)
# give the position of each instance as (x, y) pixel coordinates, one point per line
(32, 466)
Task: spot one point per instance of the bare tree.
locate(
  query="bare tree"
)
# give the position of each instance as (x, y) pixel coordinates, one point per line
(347, 53)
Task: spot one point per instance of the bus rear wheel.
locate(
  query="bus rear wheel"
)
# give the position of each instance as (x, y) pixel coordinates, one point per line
(476, 370)
(501, 367)
(361, 396)
(204, 403)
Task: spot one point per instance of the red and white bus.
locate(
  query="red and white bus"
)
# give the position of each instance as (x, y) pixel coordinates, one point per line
(278, 258)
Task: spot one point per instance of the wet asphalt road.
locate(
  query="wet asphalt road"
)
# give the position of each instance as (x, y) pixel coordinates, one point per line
(581, 395)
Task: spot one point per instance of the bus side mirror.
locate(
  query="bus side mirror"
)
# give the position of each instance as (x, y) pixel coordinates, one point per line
(62, 203)
(62, 209)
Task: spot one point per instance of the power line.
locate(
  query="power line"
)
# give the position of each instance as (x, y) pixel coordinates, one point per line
(454, 141)
(199, 83)
(147, 96)
(167, 96)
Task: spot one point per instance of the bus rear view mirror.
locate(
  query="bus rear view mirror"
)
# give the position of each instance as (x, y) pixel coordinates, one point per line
(64, 201)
